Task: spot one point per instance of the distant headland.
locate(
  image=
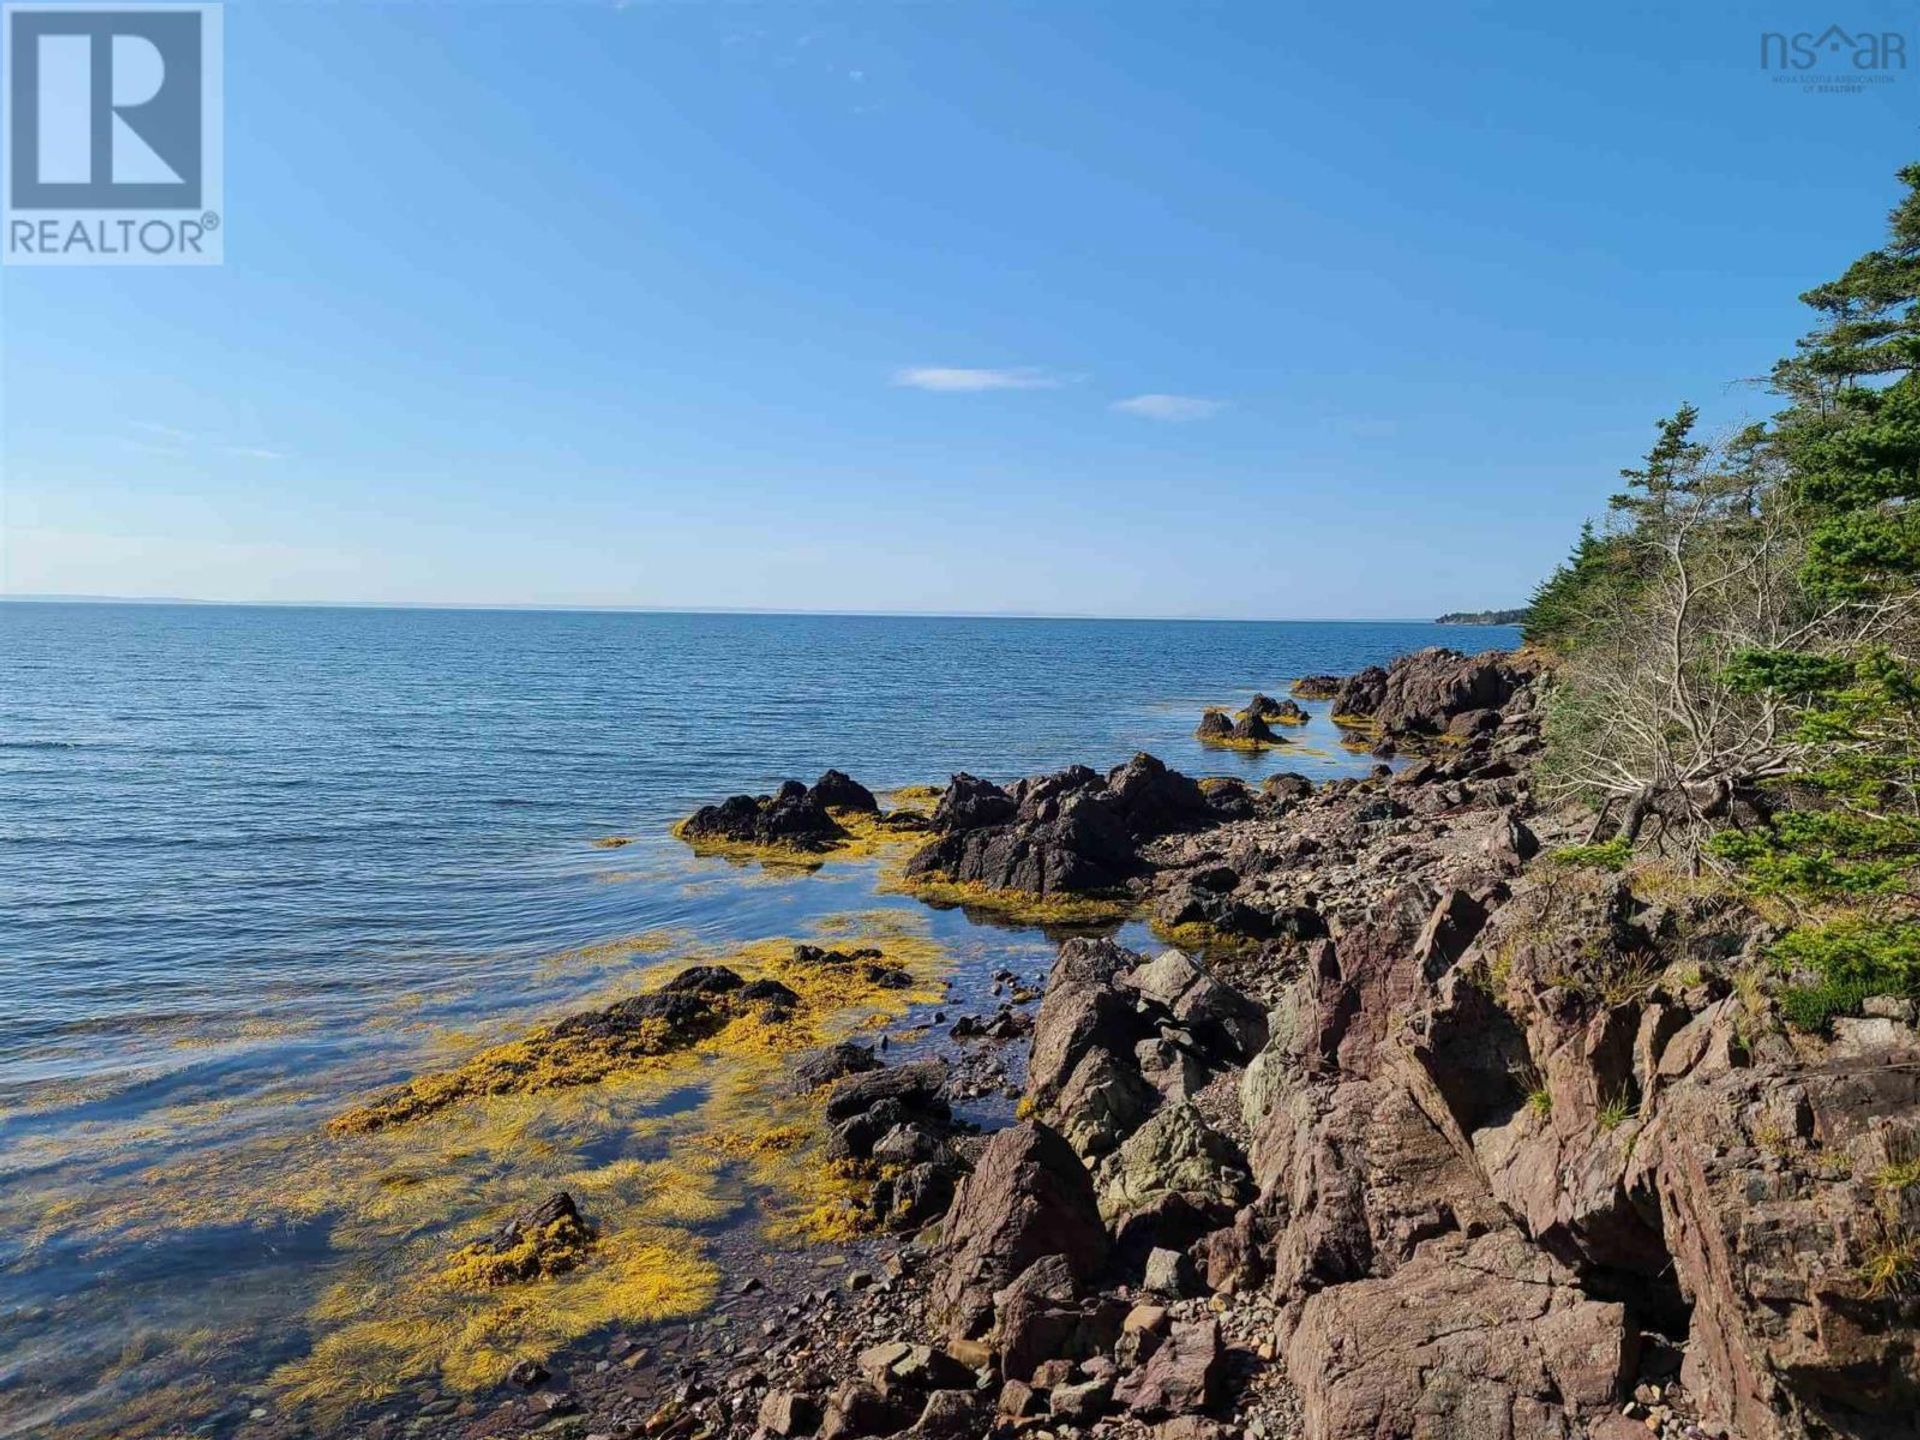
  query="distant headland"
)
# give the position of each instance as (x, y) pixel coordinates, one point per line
(1483, 617)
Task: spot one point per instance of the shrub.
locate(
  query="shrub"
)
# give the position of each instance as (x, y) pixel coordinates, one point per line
(1611, 855)
(1852, 958)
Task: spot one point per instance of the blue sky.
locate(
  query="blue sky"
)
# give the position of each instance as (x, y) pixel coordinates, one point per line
(854, 306)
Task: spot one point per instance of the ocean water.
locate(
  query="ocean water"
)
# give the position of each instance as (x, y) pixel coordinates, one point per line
(254, 861)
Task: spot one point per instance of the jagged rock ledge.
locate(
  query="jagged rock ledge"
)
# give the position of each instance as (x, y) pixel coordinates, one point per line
(1458, 1140)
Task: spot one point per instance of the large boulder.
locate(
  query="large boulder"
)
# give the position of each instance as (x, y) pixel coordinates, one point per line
(1186, 1373)
(920, 1087)
(1082, 1010)
(1220, 1017)
(790, 819)
(1071, 832)
(1082, 847)
(835, 1062)
(970, 803)
(1783, 1224)
(1028, 1196)
(1176, 1153)
(1154, 800)
(1427, 690)
(1360, 694)
(1354, 1175)
(1472, 1337)
(1081, 1075)
(1040, 1317)
(836, 790)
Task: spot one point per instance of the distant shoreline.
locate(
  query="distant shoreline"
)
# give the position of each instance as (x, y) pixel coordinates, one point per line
(154, 601)
(1483, 617)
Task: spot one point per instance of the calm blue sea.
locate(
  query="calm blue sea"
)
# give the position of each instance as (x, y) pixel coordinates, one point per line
(230, 835)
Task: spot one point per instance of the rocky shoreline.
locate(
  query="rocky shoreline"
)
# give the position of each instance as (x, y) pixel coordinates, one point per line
(1424, 1128)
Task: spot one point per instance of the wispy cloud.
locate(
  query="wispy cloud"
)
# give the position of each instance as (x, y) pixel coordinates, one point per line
(951, 380)
(170, 440)
(1170, 407)
(166, 432)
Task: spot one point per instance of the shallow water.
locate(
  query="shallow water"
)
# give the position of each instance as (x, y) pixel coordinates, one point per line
(257, 861)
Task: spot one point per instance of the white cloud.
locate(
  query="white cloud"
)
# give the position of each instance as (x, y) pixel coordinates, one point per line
(949, 380)
(1170, 407)
(169, 440)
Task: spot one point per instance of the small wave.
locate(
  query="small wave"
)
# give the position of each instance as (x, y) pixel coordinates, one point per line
(56, 744)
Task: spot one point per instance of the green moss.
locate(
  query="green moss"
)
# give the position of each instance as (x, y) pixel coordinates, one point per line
(1610, 855)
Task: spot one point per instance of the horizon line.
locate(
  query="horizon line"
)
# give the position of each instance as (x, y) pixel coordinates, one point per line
(50, 598)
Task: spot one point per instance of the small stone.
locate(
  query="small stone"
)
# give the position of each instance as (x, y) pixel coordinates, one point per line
(1049, 1374)
(974, 1354)
(1168, 1272)
(785, 1412)
(1018, 1400)
(528, 1374)
(1084, 1402)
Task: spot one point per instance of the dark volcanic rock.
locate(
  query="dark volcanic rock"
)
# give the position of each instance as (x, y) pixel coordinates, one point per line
(1360, 694)
(920, 1087)
(669, 1019)
(837, 790)
(1083, 848)
(1276, 712)
(970, 803)
(1316, 687)
(1154, 800)
(704, 980)
(1071, 832)
(1215, 725)
(836, 1062)
(791, 819)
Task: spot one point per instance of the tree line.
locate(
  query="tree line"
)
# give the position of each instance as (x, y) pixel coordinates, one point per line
(1736, 686)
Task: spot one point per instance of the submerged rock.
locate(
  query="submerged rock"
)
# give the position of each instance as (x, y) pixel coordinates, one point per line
(836, 1062)
(549, 1239)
